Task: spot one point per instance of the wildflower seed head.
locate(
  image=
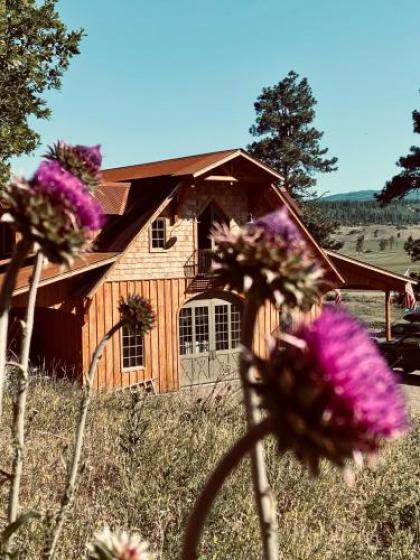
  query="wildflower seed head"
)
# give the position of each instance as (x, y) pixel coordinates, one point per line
(269, 257)
(55, 209)
(333, 396)
(137, 312)
(83, 162)
(63, 188)
(49, 226)
(117, 545)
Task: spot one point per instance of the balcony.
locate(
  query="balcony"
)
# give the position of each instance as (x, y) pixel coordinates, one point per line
(198, 269)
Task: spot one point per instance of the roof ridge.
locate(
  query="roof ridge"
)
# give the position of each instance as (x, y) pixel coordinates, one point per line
(174, 159)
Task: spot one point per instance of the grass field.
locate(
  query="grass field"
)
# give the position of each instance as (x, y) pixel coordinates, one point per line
(370, 306)
(146, 460)
(393, 258)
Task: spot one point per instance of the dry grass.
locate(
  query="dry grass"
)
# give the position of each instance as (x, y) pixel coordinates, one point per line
(146, 460)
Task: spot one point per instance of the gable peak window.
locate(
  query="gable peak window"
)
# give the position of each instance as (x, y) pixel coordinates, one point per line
(158, 234)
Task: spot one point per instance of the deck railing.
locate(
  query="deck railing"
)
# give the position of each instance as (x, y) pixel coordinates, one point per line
(199, 264)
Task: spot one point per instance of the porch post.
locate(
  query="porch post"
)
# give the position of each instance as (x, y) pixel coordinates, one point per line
(388, 315)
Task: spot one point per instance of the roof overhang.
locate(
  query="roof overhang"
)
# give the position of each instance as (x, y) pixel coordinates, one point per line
(53, 273)
(359, 275)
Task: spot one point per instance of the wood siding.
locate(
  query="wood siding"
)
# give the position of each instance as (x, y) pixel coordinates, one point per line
(161, 344)
(141, 262)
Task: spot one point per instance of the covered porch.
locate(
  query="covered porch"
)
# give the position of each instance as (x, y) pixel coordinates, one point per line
(358, 275)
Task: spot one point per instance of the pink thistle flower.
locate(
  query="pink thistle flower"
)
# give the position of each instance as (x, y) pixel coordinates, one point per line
(59, 185)
(331, 394)
(91, 156)
(271, 258)
(278, 223)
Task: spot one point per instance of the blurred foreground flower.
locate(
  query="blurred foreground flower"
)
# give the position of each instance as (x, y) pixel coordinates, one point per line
(118, 546)
(269, 256)
(55, 209)
(330, 392)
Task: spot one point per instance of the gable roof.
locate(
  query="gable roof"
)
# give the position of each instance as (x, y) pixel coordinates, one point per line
(115, 239)
(194, 166)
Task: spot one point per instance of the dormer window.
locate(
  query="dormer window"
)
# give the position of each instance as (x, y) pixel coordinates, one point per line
(158, 234)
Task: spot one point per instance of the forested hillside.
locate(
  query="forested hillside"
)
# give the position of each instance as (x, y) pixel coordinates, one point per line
(357, 213)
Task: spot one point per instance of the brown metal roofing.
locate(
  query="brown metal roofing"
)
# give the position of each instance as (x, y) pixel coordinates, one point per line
(174, 167)
(113, 197)
(54, 272)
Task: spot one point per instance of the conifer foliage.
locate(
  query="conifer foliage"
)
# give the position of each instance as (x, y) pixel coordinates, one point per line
(289, 143)
(409, 177)
(287, 140)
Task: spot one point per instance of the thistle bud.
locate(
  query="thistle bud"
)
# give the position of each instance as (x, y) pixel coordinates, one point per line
(83, 162)
(270, 257)
(137, 313)
(54, 209)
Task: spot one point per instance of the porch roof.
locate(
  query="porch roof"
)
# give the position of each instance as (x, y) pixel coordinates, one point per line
(54, 273)
(359, 275)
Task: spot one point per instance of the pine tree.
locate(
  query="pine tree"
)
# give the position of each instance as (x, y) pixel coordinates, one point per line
(35, 50)
(409, 178)
(360, 244)
(289, 143)
(412, 248)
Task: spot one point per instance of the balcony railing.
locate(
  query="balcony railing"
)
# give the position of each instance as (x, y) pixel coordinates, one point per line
(199, 264)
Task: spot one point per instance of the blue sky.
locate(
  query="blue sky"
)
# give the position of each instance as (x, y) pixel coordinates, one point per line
(165, 78)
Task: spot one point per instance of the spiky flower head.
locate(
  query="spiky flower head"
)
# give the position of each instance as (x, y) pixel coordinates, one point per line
(63, 188)
(270, 257)
(54, 209)
(118, 545)
(137, 313)
(83, 162)
(330, 392)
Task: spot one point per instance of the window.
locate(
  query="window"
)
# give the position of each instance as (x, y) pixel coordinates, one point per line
(132, 349)
(158, 234)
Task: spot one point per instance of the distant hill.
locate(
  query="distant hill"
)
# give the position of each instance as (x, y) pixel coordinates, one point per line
(367, 194)
(362, 196)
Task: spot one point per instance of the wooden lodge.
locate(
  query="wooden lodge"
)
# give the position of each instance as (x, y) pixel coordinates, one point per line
(156, 243)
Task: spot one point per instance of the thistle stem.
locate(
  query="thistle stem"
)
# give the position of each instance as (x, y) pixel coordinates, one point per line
(264, 498)
(70, 488)
(214, 483)
(21, 250)
(19, 418)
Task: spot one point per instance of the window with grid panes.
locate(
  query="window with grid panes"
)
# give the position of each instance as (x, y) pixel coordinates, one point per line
(158, 234)
(235, 326)
(132, 349)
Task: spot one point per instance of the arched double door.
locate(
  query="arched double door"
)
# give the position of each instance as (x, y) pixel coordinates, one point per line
(209, 335)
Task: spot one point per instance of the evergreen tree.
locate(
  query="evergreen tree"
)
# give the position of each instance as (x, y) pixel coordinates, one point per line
(409, 178)
(360, 243)
(383, 244)
(35, 50)
(412, 247)
(289, 143)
